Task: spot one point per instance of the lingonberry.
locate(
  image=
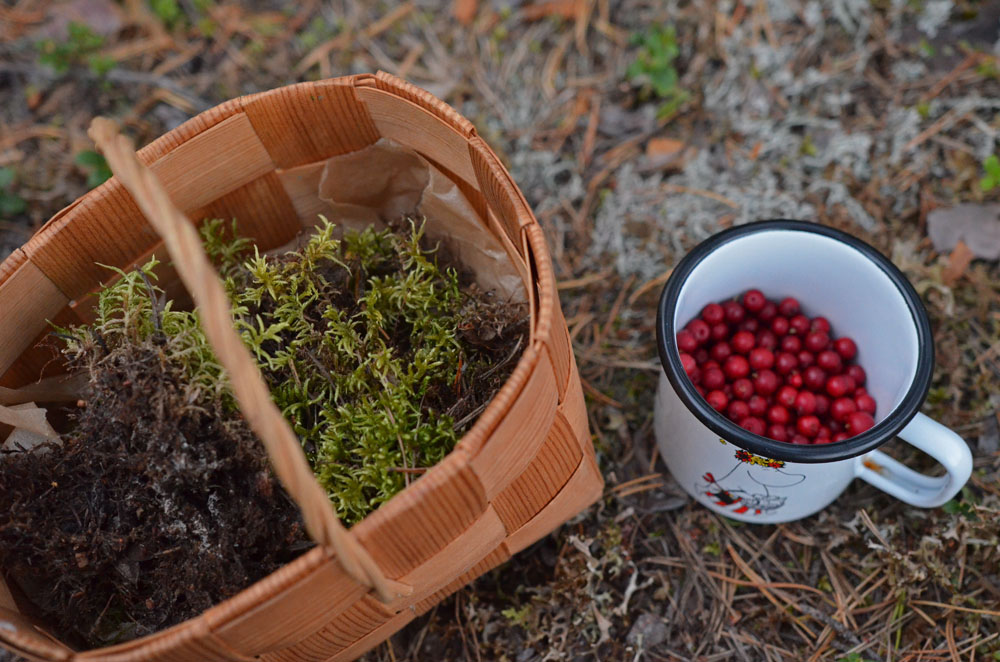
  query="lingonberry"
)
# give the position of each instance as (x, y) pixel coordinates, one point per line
(807, 426)
(719, 331)
(822, 405)
(823, 432)
(728, 390)
(784, 363)
(835, 426)
(701, 355)
(865, 403)
(688, 363)
(779, 325)
(806, 358)
(791, 344)
(738, 410)
(795, 379)
(799, 325)
(830, 361)
(786, 396)
(768, 312)
(841, 408)
(819, 325)
(754, 301)
(767, 339)
(700, 331)
(765, 383)
(846, 348)
(837, 386)
(713, 314)
(851, 385)
(753, 425)
(734, 312)
(700, 390)
(789, 306)
(840, 436)
(717, 399)
(712, 378)
(805, 402)
(817, 341)
(760, 358)
(720, 351)
(757, 405)
(708, 365)
(743, 389)
(686, 341)
(814, 378)
(802, 440)
(749, 324)
(736, 367)
(859, 421)
(778, 414)
(777, 432)
(857, 373)
(742, 342)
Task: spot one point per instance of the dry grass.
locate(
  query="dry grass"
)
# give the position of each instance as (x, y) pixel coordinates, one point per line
(846, 112)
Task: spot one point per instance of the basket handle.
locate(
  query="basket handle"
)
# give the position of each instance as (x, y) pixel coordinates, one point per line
(265, 419)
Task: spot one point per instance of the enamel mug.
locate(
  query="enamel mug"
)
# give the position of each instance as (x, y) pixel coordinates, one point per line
(865, 297)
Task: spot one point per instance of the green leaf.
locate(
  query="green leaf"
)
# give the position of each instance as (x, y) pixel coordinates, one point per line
(11, 205)
(987, 184)
(7, 176)
(167, 11)
(992, 166)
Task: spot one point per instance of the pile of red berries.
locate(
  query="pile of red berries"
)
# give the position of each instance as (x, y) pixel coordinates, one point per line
(775, 372)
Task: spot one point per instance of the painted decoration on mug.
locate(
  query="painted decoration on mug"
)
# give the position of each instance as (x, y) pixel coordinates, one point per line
(747, 487)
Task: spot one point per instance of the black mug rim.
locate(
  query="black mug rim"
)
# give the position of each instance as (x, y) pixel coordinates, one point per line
(886, 429)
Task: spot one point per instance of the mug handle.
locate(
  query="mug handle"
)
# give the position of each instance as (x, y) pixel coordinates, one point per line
(913, 487)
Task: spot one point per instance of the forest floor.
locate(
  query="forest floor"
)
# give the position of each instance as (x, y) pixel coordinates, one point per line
(636, 128)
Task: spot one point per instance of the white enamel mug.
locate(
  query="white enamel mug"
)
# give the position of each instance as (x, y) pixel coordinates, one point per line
(864, 296)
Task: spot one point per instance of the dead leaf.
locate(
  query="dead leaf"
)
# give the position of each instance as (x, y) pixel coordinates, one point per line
(978, 226)
(564, 8)
(465, 11)
(661, 147)
(958, 263)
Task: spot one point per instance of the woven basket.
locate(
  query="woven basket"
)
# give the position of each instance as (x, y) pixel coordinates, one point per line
(526, 466)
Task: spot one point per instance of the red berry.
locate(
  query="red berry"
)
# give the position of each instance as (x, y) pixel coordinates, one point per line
(820, 325)
(699, 330)
(720, 331)
(807, 426)
(742, 342)
(858, 422)
(795, 379)
(754, 300)
(734, 312)
(758, 405)
(840, 436)
(838, 386)
(713, 314)
(830, 361)
(700, 390)
(846, 348)
(777, 432)
(708, 365)
(768, 312)
(822, 404)
(738, 410)
(852, 386)
(823, 433)
(778, 414)
(712, 378)
(784, 363)
(805, 358)
(688, 363)
(780, 325)
(767, 339)
(814, 377)
(835, 426)
(786, 396)
(766, 383)
(788, 307)
(841, 408)
(857, 373)
(761, 358)
(742, 389)
(736, 367)
(720, 351)
(865, 403)
(728, 390)
(790, 431)
(817, 341)
(753, 425)
(805, 403)
(717, 399)
(686, 341)
(749, 324)
(701, 355)
(791, 344)
(800, 439)
(799, 324)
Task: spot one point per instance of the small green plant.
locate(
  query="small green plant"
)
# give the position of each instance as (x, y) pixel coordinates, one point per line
(964, 505)
(81, 48)
(653, 68)
(11, 204)
(167, 11)
(991, 179)
(96, 167)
